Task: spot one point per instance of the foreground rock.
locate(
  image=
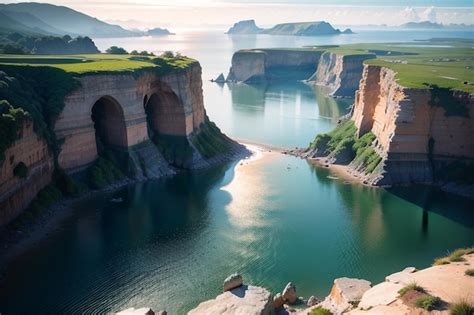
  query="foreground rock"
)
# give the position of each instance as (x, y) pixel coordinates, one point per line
(448, 282)
(289, 293)
(246, 299)
(140, 311)
(345, 293)
(232, 282)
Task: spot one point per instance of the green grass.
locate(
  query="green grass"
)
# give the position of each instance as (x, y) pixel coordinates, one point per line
(320, 311)
(342, 142)
(469, 272)
(410, 287)
(455, 256)
(428, 302)
(461, 308)
(82, 64)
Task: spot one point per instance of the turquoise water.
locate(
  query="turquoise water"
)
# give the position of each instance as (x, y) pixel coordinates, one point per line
(276, 219)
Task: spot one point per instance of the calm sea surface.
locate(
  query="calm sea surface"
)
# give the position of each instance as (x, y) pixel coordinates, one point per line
(171, 242)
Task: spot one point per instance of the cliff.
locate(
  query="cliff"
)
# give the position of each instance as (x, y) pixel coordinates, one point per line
(399, 135)
(340, 73)
(419, 132)
(273, 64)
(337, 72)
(18, 187)
(111, 126)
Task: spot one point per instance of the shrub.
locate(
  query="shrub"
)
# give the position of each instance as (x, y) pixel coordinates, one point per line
(115, 50)
(21, 170)
(167, 54)
(469, 272)
(461, 308)
(320, 311)
(454, 256)
(410, 287)
(428, 302)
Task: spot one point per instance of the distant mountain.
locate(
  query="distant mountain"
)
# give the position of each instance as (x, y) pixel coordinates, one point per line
(67, 20)
(422, 25)
(32, 22)
(9, 25)
(297, 29)
(305, 29)
(245, 27)
(427, 25)
(158, 32)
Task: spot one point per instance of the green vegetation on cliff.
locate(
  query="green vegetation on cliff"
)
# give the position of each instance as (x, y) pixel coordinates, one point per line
(343, 145)
(100, 63)
(209, 140)
(34, 87)
(444, 62)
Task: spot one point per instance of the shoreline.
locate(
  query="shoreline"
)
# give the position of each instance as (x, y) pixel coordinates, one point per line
(14, 241)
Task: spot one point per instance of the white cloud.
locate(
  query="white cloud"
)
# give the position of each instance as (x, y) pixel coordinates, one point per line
(429, 14)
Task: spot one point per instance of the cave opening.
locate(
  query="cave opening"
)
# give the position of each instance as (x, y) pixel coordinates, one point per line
(167, 127)
(109, 124)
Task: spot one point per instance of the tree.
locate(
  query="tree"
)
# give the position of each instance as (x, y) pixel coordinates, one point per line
(114, 50)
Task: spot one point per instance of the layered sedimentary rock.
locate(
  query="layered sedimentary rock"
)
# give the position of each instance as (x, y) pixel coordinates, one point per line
(149, 123)
(273, 64)
(340, 74)
(176, 97)
(416, 130)
(16, 191)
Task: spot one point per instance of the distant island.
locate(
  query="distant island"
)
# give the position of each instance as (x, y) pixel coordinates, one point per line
(318, 28)
(427, 25)
(159, 32)
(245, 27)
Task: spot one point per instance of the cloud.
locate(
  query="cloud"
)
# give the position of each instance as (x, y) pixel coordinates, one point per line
(429, 14)
(409, 15)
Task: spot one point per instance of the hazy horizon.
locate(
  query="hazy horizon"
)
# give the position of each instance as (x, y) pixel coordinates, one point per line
(181, 14)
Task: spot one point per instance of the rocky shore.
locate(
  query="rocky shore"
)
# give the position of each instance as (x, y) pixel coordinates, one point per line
(445, 288)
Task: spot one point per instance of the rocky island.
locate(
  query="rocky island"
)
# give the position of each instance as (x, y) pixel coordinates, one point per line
(318, 28)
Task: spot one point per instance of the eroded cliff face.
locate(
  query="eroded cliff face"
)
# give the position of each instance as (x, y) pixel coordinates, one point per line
(177, 98)
(146, 124)
(273, 64)
(340, 74)
(414, 132)
(16, 191)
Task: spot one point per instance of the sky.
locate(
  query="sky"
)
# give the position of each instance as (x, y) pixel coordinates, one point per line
(176, 14)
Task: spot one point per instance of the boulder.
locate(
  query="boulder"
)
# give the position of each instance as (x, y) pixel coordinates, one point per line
(312, 301)
(403, 276)
(345, 294)
(233, 281)
(140, 311)
(289, 293)
(249, 300)
(383, 293)
(220, 78)
(278, 301)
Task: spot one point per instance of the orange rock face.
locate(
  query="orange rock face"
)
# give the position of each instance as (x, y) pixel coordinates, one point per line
(15, 192)
(403, 121)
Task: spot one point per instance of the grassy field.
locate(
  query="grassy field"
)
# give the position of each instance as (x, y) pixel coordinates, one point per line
(447, 63)
(98, 63)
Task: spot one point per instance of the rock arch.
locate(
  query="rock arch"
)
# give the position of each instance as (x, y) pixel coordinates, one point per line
(165, 113)
(109, 123)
